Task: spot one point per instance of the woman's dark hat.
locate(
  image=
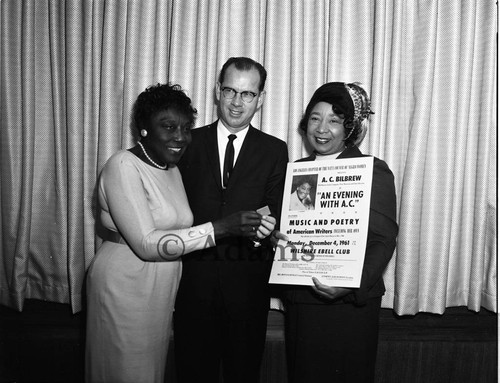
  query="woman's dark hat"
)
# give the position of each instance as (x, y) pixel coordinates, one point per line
(351, 100)
(334, 93)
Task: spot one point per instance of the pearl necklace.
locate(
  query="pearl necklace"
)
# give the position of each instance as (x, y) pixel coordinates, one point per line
(149, 158)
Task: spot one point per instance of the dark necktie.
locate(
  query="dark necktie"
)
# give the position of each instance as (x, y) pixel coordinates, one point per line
(228, 160)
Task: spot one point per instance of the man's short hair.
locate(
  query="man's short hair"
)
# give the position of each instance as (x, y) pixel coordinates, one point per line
(244, 64)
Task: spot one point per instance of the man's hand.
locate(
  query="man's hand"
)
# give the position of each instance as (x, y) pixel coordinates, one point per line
(267, 224)
(276, 236)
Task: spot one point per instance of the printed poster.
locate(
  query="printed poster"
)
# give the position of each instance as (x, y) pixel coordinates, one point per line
(325, 215)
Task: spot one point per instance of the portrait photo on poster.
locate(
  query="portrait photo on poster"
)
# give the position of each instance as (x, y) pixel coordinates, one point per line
(303, 193)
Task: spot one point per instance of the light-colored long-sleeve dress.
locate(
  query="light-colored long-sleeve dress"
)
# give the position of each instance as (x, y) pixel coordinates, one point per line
(131, 289)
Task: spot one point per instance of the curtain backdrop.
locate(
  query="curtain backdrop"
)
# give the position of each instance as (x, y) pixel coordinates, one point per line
(70, 71)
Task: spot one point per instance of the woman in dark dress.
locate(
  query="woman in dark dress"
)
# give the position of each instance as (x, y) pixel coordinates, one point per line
(332, 332)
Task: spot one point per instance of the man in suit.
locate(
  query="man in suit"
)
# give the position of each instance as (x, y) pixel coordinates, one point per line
(223, 298)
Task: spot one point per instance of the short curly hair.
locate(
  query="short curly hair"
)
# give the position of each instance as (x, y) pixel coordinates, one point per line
(160, 97)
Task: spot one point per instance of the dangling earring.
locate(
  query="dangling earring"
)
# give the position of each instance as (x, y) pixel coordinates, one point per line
(144, 132)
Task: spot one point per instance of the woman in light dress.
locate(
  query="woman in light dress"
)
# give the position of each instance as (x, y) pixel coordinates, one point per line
(133, 279)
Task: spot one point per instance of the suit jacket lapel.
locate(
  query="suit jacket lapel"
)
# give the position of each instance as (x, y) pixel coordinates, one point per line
(212, 153)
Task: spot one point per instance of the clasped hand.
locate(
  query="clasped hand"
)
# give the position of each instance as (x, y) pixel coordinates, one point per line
(246, 224)
(329, 292)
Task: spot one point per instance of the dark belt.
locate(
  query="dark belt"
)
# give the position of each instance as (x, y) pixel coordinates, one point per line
(114, 236)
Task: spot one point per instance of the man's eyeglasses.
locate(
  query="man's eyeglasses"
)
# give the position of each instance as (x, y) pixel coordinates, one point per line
(230, 93)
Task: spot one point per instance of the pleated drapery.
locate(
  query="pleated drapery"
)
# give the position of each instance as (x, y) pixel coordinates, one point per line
(70, 71)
